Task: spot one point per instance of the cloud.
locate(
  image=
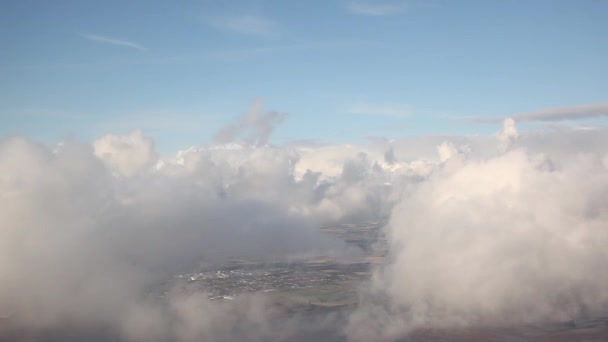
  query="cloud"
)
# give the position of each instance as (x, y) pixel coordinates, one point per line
(248, 24)
(565, 113)
(91, 234)
(506, 239)
(593, 110)
(375, 8)
(256, 126)
(113, 41)
(128, 154)
(508, 135)
(392, 111)
(81, 245)
(499, 229)
(447, 150)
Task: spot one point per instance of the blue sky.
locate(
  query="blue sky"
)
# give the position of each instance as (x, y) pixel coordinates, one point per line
(342, 70)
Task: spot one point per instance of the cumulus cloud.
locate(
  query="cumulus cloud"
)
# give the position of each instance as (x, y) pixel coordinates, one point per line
(127, 154)
(499, 229)
(505, 239)
(508, 135)
(86, 231)
(446, 151)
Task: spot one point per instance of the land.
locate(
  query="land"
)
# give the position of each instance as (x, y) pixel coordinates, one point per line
(321, 284)
(299, 284)
(316, 287)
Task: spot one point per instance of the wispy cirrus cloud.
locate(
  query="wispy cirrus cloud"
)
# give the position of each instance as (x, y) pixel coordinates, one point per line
(586, 111)
(383, 110)
(248, 24)
(375, 8)
(113, 41)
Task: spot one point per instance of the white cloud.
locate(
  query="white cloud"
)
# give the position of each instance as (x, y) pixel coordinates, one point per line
(515, 237)
(248, 24)
(375, 8)
(87, 230)
(125, 155)
(508, 135)
(446, 151)
(113, 41)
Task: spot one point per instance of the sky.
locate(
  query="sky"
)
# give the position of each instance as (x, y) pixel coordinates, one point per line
(343, 71)
(139, 139)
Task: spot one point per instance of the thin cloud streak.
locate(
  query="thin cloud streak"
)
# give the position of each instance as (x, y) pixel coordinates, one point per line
(593, 110)
(113, 41)
(566, 113)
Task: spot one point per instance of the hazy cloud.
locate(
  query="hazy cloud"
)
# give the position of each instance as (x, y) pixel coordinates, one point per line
(113, 41)
(256, 126)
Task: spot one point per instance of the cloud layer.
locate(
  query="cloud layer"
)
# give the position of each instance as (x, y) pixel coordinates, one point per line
(501, 229)
(86, 231)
